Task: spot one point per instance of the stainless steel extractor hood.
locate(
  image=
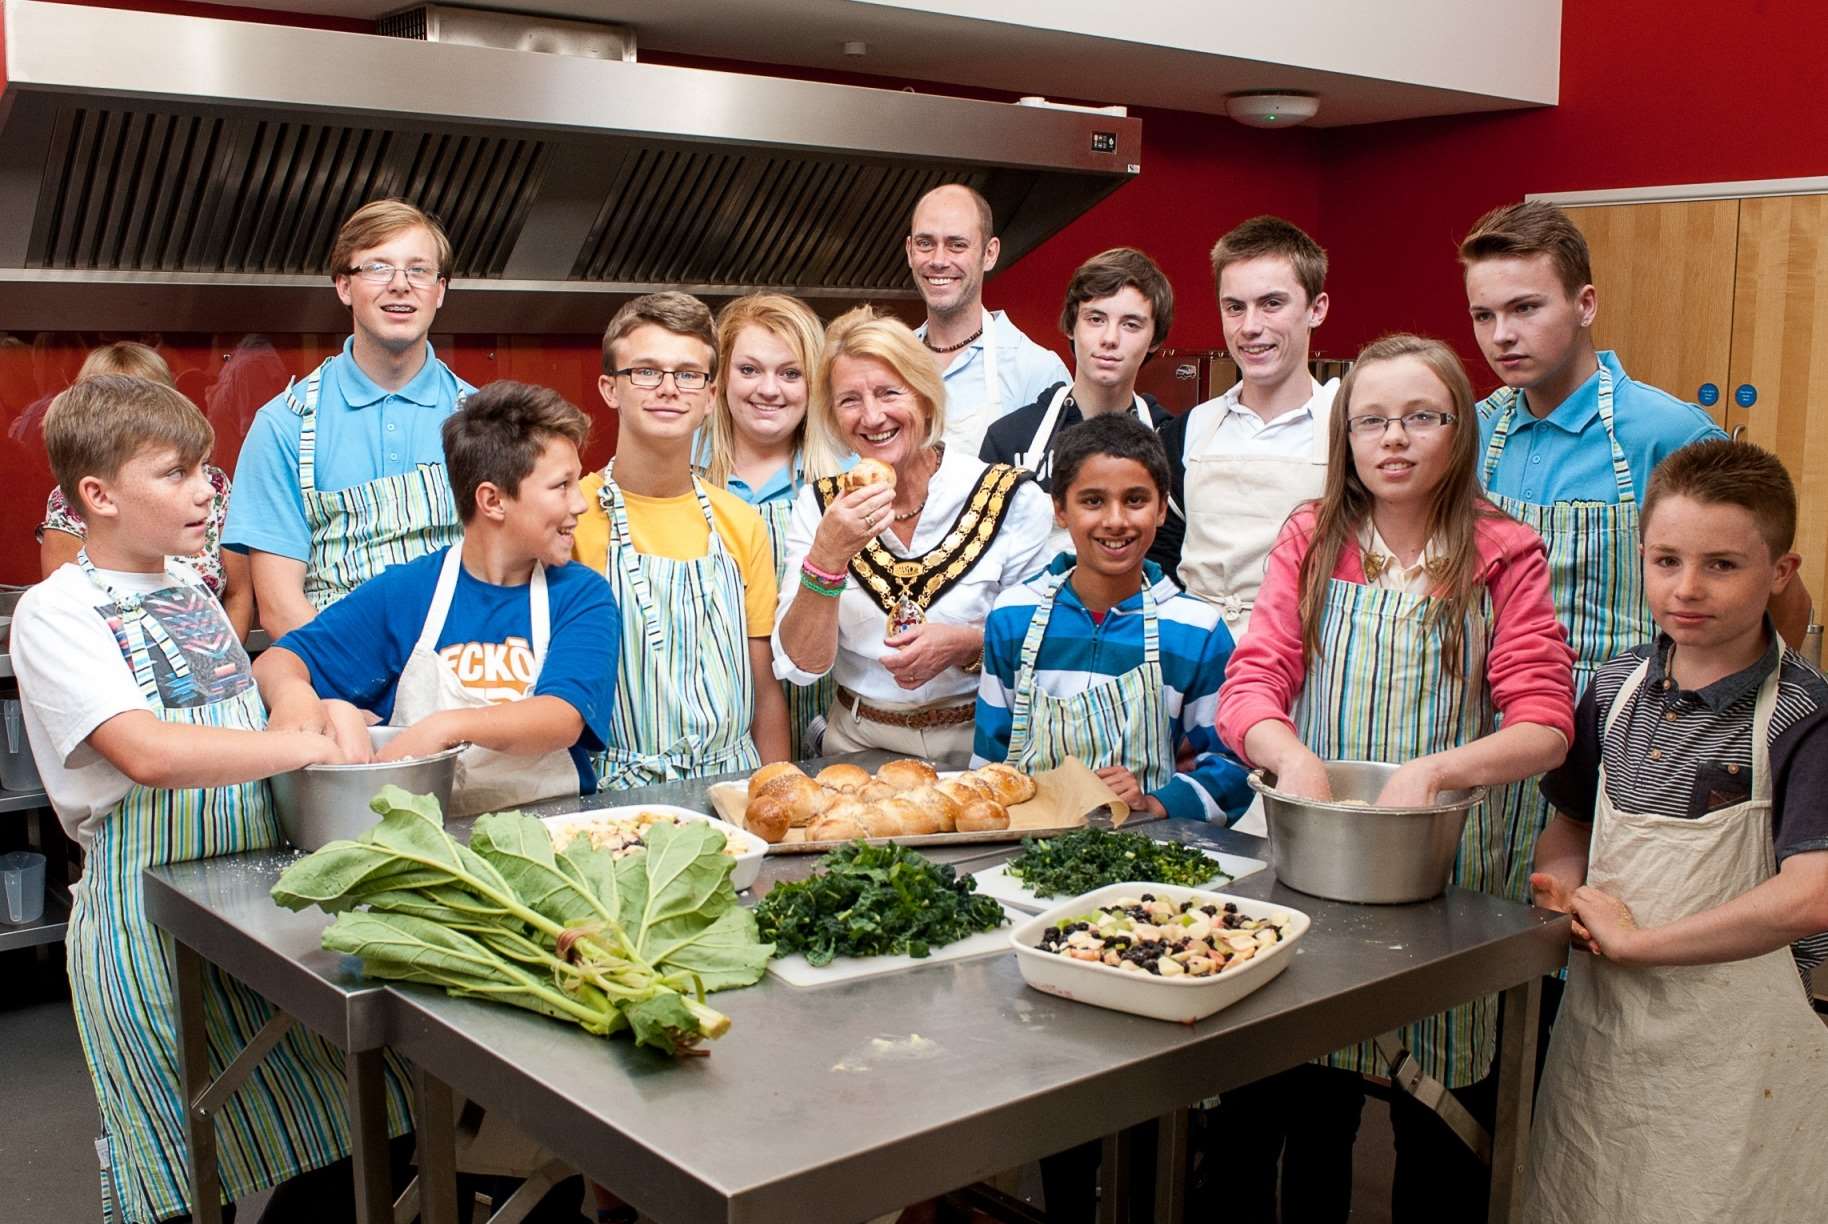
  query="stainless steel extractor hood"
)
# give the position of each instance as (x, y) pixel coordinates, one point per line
(186, 173)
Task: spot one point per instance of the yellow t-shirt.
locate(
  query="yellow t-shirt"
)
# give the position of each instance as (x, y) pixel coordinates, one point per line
(674, 527)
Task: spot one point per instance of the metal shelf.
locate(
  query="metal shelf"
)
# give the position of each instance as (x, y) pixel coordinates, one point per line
(23, 801)
(49, 928)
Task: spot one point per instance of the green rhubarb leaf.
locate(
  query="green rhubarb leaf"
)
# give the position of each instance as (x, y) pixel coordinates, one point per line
(723, 953)
(685, 865)
(520, 848)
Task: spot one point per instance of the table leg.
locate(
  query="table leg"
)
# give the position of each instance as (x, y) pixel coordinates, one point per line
(1171, 1131)
(1516, 1091)
(434, 1121)
(193, 1051)
(362, 1072)
(1116, 1169)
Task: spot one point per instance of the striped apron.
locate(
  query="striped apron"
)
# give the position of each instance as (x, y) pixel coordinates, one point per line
(684, 696)
(359, 531)
(1378, 691)
(806, 704)
(1597, 582)
(290, 1113)
(1120, 721)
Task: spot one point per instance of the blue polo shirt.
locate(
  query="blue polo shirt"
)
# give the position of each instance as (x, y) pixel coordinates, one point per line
(778, 487)
(363, 434)
(1564, 457)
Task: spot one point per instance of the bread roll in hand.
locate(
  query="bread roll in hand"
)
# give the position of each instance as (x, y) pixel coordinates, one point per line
(866, 473)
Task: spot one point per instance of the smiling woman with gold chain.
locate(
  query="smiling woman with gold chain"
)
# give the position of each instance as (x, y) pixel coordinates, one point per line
(892, 568)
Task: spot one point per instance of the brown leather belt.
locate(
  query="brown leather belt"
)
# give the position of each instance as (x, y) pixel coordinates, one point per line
(914, 720)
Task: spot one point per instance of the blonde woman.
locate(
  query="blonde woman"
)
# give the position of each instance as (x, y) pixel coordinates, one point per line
(61, 535)
(757, 444)
(889, 581)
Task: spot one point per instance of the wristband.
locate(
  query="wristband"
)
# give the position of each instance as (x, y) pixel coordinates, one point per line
(825, 576)
(818, 588)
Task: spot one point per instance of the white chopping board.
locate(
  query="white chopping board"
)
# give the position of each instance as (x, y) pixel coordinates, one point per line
(1012, 892)
(796, 971)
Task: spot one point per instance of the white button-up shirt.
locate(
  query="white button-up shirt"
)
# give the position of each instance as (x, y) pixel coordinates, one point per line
(1024, 370)
(1241, 431)
(1017, 551)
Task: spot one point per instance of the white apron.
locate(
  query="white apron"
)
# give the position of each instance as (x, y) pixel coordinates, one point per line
(487, 781)
(1236, 505)
(966, 431)
(1039, 456)
(1683, 1094)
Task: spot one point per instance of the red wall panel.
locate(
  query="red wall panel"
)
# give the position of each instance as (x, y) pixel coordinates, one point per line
(1652, 92)
(230, 377)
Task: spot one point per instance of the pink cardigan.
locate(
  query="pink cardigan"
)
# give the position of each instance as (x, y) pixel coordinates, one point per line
(1529, 667)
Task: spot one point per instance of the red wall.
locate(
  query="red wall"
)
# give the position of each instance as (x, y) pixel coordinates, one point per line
(1653, 92)
(1201, 176)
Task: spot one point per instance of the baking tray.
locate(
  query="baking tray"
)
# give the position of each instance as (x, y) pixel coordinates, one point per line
(1069, 786)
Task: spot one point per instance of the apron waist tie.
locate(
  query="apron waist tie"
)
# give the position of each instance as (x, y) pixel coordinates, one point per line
(915, 719)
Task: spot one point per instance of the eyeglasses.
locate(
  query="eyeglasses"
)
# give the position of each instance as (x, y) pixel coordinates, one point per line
(647, 378)
(1415, 422)
(377, 273)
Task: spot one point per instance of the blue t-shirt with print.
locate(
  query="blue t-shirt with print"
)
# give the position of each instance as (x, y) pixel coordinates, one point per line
(357, 647)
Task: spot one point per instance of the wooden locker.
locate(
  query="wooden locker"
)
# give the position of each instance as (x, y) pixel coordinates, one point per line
(1665, 275)
(1780, 350)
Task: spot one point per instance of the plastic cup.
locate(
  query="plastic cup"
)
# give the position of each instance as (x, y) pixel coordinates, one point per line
(21, 887)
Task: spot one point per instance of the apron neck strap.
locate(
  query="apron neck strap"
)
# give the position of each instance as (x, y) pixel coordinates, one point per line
(539, 608)
(1763, 709)
(622, 549)
(1506, 399)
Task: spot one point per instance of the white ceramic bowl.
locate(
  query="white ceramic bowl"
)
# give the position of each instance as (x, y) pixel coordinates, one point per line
(1183, 999)
(748, 848)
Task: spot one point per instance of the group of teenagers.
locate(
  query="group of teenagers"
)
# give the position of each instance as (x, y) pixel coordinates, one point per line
(1575, 592)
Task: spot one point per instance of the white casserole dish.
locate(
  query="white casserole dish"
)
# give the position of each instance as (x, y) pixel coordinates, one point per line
(1183, 999)
(747, 847)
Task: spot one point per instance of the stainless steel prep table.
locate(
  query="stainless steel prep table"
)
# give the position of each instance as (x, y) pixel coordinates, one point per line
(842, 1102)
(219, 911)
(821, 1105)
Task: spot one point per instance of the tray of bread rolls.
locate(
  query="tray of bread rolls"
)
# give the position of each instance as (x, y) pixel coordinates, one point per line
(910, 802)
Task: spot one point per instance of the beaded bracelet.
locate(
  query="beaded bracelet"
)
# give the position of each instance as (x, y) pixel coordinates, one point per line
(825, 576)
(819, 588)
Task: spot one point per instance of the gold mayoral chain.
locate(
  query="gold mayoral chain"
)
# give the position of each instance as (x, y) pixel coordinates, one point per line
(905, 589)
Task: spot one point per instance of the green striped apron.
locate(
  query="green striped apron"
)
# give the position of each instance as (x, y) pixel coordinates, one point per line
(359, 531)
(1596, 580)
(684, 696)
(806, 703)
(1120, 721)
(290, 1113)
(1378, 690)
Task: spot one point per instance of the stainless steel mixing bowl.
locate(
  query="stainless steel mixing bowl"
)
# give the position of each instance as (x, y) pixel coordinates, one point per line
(320, 804)
(1350, 851)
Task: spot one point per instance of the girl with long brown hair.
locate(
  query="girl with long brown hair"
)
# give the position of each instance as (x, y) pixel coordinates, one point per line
(1405, 619)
